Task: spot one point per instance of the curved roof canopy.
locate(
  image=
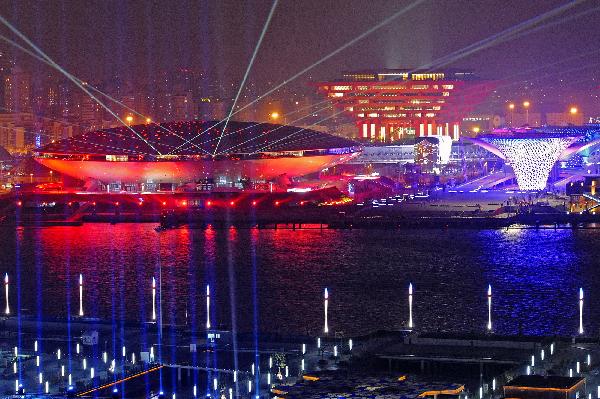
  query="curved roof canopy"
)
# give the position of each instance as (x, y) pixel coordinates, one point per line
(197, 138)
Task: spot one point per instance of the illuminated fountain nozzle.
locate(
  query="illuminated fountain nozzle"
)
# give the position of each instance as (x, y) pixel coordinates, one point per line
(7, 310)
(80, 295)
(580, 310)
(489, 298)
(326, 305)
(410, 306)
(207, 306)
(153, 299)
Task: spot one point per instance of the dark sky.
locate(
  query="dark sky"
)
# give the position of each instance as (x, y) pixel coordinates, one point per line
(94, 39)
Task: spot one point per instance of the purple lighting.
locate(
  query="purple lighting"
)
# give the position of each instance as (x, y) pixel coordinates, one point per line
(532, 153)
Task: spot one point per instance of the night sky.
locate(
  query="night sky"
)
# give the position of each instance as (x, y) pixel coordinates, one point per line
(97, 39)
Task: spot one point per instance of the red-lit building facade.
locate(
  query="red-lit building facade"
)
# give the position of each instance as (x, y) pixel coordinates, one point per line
(390, 105)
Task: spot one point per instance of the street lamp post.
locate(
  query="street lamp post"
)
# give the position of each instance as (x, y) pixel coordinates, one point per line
(573, 111)
(511, 107)
(526, 105)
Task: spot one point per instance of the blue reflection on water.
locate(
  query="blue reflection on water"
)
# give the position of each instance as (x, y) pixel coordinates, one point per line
(536, 275)
(272, 280)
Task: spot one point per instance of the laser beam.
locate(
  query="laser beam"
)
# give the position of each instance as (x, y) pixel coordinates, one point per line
(71, 78)
(256, 48)
(325, 58)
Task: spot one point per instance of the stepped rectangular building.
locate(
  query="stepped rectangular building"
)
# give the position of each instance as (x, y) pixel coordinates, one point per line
(392, 104)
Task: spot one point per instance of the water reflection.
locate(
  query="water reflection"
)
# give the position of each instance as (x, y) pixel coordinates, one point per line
(272, 280)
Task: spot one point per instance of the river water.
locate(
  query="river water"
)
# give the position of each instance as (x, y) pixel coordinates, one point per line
(273, 280)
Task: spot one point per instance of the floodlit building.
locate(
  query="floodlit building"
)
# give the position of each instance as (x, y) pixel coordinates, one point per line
(391, 104)
(192, 151)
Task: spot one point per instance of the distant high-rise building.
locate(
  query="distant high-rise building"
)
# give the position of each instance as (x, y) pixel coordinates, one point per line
(66, 100)
(44, 95)
(16, 131)
(90, 113)
(17, 90)
(5, 67)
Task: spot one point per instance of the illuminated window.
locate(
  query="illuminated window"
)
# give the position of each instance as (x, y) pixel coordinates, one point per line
(389, 87)
(117, 158)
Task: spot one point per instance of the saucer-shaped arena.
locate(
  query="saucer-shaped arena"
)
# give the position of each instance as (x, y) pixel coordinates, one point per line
(194, 150)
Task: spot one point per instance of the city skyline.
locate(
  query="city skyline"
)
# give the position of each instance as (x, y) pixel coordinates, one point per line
(278, 199)
(552, 57)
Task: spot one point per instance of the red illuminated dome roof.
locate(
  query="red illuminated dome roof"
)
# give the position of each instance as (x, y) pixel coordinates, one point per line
(197, 138)
(195, 150)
